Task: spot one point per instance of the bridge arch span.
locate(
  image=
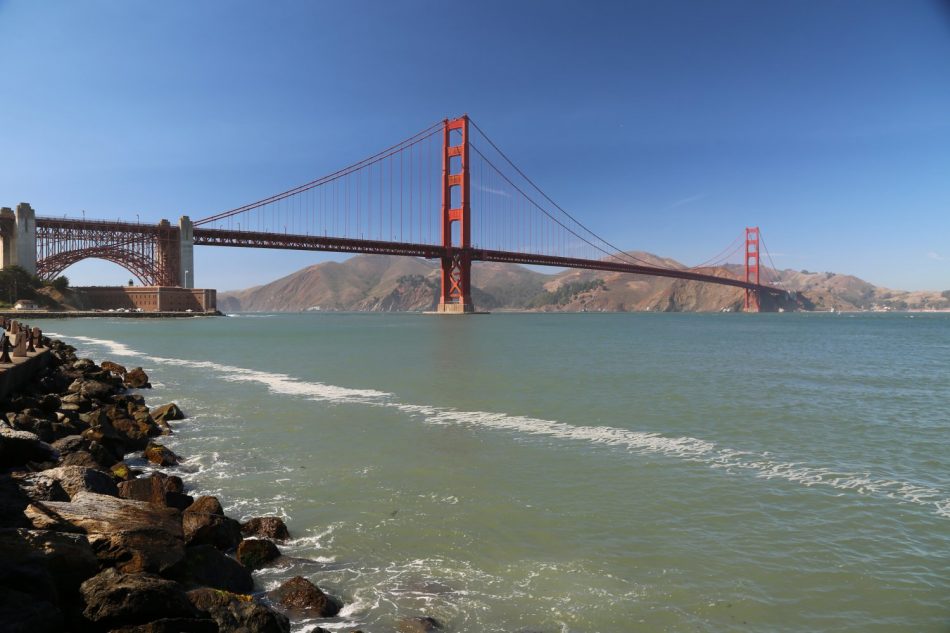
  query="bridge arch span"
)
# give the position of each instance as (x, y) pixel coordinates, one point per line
(141, 268)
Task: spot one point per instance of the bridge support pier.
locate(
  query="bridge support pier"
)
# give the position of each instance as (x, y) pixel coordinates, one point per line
(18, 237)
(186, 250)
(456, 287)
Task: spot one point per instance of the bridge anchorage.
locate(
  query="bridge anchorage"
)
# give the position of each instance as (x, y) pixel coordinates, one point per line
(448, 193)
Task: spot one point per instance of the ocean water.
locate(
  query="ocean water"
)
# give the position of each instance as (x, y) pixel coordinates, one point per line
(575, 472)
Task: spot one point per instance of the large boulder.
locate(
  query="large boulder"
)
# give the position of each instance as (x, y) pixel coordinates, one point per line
(137, 379)
(167, 412)
(102, 459)
(115, 368)
(156, 488)
(38, 425)
(112, 599)
(299, 595)
(203, 522)
(272, 528)
(70, 444)
(205, 566)
(256, 553)
(234, 612)
(160, 455)
(96, 390)
(18, 448)
(40, 487)
(76, 479)
(61, 560)
(132, 535)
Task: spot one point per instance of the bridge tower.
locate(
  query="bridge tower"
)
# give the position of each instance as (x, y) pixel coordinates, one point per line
(18, 237)
(752, 267)
(186, 252)
(455, 291)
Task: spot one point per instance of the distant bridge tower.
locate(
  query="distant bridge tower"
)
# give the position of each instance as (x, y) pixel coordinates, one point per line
(18, 237)
(752, 267)
(455, 291)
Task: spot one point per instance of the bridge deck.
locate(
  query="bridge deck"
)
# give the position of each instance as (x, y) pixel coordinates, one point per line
(252, 239)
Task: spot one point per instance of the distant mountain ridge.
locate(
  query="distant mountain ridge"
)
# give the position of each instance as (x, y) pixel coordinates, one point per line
(382, 283)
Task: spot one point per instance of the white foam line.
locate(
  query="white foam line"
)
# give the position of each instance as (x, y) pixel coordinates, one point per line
(688, 448)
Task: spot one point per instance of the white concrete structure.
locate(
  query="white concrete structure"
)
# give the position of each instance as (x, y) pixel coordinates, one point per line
(186, 246)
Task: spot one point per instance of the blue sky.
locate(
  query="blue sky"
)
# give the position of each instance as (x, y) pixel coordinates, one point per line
(667, 126)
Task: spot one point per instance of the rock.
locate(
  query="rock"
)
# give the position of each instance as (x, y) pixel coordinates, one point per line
(67, 559)
(115, 368)
(28, 613)
(88, 460)
(205, 566)
(136, 434)
(234, 612)
(121, 472)
(158, 454)
(172, 625)
(420, 624)
(157, 488)
(208, 505)
(256, 553)
(39, 426)
(40, 487)
(85, 365)
(18, 448)
(203, 522)
(75, 402)
(267, 527)
(137, 379)
(132, 535)
(70, 444)
(49, 403)
(114, 599)
(299, 594)
(96, 390)
(76, 479)
(167, 412)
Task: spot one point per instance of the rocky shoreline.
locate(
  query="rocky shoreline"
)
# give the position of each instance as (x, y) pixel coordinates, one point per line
(89, 543)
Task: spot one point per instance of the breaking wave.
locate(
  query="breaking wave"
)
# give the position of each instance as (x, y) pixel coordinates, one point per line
(759, 464)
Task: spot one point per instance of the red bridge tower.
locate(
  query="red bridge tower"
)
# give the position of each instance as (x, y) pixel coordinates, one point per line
(752, 267)
(455, 296)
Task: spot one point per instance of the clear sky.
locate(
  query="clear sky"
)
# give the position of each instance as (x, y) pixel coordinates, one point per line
(666, 126)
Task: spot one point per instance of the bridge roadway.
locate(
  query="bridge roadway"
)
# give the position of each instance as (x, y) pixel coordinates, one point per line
(252, 239)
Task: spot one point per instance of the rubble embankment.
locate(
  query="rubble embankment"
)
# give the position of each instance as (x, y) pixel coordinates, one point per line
(90, 543)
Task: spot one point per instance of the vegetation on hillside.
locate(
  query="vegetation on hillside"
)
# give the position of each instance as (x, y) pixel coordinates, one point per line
(566, 293)
(16, 283)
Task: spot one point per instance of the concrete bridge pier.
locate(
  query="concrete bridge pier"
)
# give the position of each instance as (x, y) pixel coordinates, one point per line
(18, 237)
(186, 250)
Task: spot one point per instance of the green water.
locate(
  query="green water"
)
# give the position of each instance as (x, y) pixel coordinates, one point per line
(583, 473)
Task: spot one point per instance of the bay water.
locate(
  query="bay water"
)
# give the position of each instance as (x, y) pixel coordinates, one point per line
(574, 472)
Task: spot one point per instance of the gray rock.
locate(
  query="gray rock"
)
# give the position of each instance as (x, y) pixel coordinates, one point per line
(76, 479)
(20, 447)
(113, 599)
(205, 566)
(238, 613)
(299, 595)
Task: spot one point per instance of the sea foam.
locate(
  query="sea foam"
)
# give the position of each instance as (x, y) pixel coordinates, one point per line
(759, 464)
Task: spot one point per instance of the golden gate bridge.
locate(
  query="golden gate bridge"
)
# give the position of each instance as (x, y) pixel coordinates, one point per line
(447, 193)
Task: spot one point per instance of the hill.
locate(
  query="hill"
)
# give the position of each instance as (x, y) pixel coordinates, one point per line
(395, 284)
